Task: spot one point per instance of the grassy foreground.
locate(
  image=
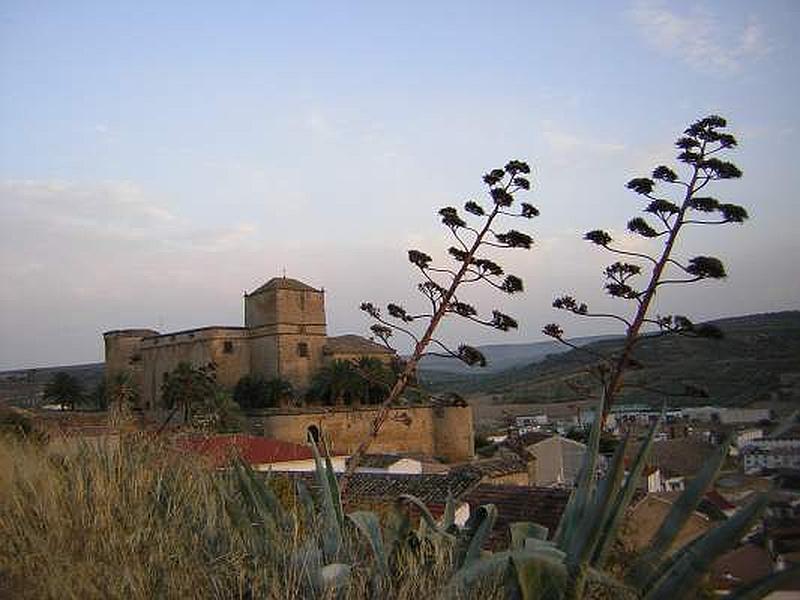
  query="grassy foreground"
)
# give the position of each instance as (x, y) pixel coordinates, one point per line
(126, 518)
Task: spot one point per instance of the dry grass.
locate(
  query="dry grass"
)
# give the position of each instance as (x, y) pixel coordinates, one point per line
(125, 518)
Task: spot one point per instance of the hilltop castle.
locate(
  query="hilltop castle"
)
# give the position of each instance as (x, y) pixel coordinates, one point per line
(284, 336)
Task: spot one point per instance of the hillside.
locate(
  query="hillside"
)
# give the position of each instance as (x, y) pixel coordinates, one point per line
(499, 357)
(757, 360)
(23, 387)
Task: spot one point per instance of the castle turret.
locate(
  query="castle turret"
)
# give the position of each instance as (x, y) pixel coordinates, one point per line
(123, 353)
(286, 323)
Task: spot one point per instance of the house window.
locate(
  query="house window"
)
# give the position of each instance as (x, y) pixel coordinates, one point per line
(302, 349)
(227, 347)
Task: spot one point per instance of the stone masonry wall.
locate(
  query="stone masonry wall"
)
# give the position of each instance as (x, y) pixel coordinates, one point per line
(228, 348)
(444, 432)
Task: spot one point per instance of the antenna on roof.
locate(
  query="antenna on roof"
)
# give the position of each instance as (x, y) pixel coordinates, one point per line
(284, 272)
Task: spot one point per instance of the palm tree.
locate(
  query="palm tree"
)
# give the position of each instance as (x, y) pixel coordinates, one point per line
(336, 383)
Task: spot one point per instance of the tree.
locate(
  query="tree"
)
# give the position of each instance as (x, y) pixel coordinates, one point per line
(475, 240)
(377, 379)
(64, 389)
(220, 413)
(253, 391)
(187, 386)
(120, 390)
(336, 383)
(672, 204)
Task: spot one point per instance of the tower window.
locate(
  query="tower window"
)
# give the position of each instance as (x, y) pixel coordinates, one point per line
(302, 349)
(227, 347)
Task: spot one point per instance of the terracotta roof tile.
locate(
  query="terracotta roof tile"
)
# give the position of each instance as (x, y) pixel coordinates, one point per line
(255, 450)
(432, 488)
(353, 344)
(497, 466)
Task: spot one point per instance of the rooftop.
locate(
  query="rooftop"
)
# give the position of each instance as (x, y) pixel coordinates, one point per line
(386, 487)
(284, 283)
(682, 456)
(539, 505)
(497, 466)
(353, 344)
(255, 450)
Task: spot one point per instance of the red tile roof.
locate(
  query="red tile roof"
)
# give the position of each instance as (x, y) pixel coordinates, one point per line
(255, 450)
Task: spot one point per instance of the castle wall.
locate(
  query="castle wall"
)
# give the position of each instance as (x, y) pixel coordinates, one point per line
(227, 347)
(444, 432)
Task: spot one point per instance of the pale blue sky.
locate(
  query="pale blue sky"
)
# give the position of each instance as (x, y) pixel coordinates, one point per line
(157, 159)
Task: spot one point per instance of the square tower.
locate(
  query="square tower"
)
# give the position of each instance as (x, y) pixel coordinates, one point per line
(286, 323)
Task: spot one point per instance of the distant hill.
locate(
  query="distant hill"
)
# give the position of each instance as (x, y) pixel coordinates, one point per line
(499, 357)
(757, 360)
(23, 387)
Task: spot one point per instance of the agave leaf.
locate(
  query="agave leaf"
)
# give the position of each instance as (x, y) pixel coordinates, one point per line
(684, 573)
(525, 529)
(581, 496)
(482, 524)
(624, 497)
(331, 530)
(449, 519)
(765, 585)
(267, 498)
(427, 517)
(543, 548)
(369, 526)
(333, 484)
(680, 512)
(306, 502)
(590, 530)
(467, 576)
(398, 527)
(259, 510)
(538, 578)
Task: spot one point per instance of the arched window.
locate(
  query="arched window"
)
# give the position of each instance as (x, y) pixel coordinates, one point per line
(313, 434)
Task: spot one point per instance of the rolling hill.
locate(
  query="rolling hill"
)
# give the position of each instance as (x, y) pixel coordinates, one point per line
(757, 360)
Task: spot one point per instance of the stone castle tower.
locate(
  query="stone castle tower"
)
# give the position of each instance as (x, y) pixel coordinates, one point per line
(286, 323)
(284, 336)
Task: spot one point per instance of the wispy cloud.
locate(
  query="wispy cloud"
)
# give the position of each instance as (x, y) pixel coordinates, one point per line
(567, 143)
(699, 37)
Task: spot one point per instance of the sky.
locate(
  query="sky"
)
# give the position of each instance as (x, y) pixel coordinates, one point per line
(159, 159)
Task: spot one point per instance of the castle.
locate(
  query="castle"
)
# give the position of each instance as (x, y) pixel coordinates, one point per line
(284, 336)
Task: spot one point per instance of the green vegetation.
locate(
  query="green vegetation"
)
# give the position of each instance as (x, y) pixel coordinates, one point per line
(366, 381)
(187, 386)
(755, 360)
(64, 389)
(254, 391)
